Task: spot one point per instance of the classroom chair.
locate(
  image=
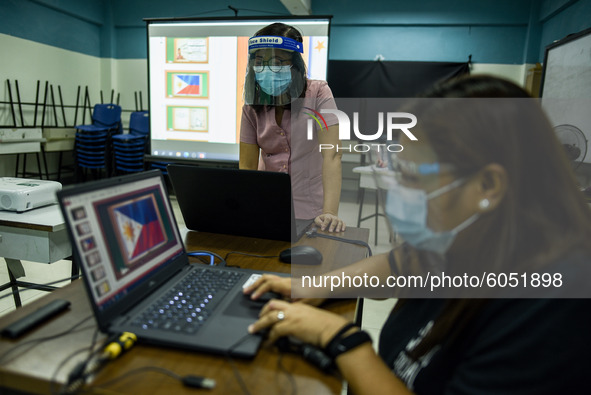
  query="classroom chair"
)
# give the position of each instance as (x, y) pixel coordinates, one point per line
(129, 148)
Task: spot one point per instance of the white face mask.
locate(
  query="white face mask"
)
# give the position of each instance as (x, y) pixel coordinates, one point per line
(406, 208)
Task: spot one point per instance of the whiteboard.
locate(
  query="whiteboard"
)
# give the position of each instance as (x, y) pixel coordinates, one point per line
(566, 83)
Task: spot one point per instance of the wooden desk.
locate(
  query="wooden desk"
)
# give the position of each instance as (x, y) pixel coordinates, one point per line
(37, 235)
(31, 368)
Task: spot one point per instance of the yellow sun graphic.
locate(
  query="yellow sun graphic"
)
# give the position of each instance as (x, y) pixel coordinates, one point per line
(128, 230)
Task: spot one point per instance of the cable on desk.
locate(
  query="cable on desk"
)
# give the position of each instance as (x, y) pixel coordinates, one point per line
(223, 261)
(53, 382)
(63, 388)
(237, 372)
(212, 256)
(252, 255)
(38, 286)
(314, 233)
(234, 367)
(112, 348)
(190, 380)
(280, 366)
(47, 338)
(239, 377)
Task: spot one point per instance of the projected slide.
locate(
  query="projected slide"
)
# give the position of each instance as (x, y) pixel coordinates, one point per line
(192, 85)
(186, 50)
(197, 70)
(192, 119)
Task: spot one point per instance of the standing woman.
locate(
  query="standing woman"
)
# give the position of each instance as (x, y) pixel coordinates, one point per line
(275, 79)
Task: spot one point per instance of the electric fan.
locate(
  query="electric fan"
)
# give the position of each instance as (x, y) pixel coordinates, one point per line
(574, 142)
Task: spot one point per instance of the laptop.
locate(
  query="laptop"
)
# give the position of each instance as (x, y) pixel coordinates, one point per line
(229, 201)
(137, 274)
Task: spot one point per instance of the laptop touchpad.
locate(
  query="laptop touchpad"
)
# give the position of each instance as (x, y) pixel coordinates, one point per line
(242, 306)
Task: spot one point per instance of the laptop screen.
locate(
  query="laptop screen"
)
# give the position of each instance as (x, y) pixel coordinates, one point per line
(124, 233)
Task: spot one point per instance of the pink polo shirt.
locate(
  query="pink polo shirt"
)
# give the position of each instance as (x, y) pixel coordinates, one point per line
(286, 147)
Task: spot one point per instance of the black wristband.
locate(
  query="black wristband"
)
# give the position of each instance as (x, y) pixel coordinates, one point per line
(339, 345)
(340, 334)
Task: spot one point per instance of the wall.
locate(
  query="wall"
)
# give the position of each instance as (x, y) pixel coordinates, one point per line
(101, 43)
(429, 30)
(69, 24)
(560, 18)
(27, 62)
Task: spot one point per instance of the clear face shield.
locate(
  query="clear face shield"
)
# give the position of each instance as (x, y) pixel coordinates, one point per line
(276, 71)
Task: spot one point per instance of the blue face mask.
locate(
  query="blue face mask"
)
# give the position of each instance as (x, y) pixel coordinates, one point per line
(406, 208)
(272, 83)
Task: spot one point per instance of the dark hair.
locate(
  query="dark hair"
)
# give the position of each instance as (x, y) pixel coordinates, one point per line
(543, 215)
(299, 67)
(479, 86)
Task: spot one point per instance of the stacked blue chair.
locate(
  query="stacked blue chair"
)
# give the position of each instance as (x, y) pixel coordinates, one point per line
(162, 166)
(129, 149)
(91, 153)
(92, 143)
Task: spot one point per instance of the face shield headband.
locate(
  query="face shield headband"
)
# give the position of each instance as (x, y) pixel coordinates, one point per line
(271, 78)
(278, 42)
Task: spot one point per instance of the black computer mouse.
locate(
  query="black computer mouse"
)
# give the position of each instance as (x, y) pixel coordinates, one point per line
(301, 255)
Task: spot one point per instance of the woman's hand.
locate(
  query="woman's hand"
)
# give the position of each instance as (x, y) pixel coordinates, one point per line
(309, 324)
(277, 284)
(269, 283)
(330, 222)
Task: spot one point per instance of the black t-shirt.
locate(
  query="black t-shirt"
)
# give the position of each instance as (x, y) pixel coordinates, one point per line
(512, 346)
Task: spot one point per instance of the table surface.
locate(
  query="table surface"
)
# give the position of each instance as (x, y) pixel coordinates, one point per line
(47, 218)
(30, 366)
(37, 235)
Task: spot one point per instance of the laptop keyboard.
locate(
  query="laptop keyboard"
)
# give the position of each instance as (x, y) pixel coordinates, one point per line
(188, 305)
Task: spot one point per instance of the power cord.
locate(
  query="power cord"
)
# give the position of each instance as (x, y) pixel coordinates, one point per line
(91, 352)
(212, 256)
(112, 349)
(239, 377)
(252, 255)
(223, 261)
(34, 342)
(190, 380)
(280, 366)
(314, 233)
(233, 364)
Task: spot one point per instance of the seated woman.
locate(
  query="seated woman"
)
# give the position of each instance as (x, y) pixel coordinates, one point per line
(483, 190)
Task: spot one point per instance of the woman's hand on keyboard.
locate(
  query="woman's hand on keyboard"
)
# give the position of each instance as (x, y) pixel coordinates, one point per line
(280, 285)
(269, 283)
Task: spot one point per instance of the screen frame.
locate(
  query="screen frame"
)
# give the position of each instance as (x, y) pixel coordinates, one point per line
(266, 19)
(104, 315)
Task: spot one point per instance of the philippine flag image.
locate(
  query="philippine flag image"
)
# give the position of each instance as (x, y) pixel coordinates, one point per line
(187, 84)
(139, 227)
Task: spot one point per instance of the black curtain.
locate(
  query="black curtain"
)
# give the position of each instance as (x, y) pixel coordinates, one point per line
(359, 78)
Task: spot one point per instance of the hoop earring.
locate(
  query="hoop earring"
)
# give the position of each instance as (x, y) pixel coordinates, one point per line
(484, 204)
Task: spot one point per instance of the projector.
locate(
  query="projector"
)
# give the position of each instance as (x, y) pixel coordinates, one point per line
(21, 194)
